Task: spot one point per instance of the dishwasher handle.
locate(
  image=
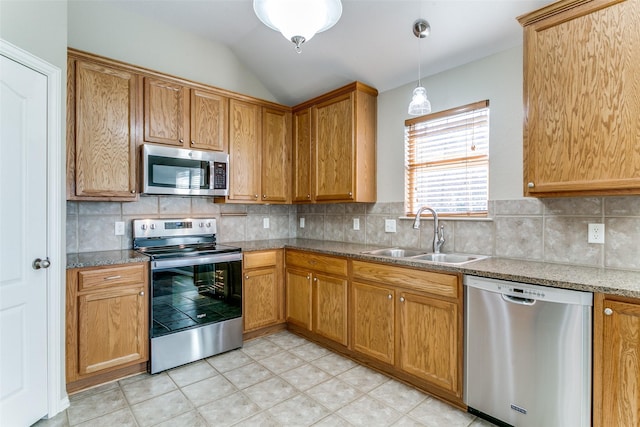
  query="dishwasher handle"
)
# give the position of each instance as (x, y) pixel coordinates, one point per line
(518, 300)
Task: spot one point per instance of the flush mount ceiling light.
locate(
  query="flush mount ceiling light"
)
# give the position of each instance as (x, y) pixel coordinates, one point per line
(298, 20)
(420, 105)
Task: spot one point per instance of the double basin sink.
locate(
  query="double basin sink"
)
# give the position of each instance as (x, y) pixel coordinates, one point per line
(420, 255)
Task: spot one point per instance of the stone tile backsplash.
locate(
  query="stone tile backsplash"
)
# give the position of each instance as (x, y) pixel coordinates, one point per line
(552, 230)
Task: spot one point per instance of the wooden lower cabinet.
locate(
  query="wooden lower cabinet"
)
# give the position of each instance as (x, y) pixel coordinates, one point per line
(412, 321)
(107, 323)
(317, 294)
(616, 363)
(263, 293)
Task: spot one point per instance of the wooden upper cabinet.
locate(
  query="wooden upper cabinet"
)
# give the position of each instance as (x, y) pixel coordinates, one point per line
(343, 146)
(209, 120)
(301, 157)
(174, 114)
(276, 143)
(165, 112)
(245, 125)
(101, 117)
(582, 98)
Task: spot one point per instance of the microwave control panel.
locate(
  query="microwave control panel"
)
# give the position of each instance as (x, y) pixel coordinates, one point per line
(219, 176)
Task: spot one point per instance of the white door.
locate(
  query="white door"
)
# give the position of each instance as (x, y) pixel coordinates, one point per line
(23, 238)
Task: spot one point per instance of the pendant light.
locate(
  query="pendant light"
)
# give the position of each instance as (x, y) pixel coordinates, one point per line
(298, 20)
(420, 105)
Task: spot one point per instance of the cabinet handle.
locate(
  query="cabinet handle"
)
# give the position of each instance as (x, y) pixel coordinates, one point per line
(401, 299)
(264, 196)
(193, 142)
(608, 311)
(141, 293)
(390, 296)
(315, 279)
(181, 141)
(531, 185)
(246, 277)
(255, 195)
(112, 277)
(350, 194)
(308, 277)
(133, 191)
(308, 196)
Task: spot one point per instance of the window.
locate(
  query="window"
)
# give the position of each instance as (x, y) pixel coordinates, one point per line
(447, 161)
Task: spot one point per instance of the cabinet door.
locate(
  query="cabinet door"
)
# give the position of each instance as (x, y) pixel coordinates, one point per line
(330, 307)
(582, 100)
(373, 314)
(298, 291)
(209, 120)
(244, 151)
(334, 150)
(166, 107)
(112, 328)
(104, 139)
(429, 345)
(261, 298)
(302, 156)
(276, 137)
(617, 364)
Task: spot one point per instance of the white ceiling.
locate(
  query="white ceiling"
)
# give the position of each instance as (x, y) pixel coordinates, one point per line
(373, 41)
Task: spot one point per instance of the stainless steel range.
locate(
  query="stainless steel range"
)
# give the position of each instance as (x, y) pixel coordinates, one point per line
(196, 290)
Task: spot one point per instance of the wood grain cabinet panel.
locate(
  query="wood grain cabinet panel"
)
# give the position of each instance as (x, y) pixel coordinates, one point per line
(582, 98)
(263, 291)
(209, 120)
(166, 112)
(107, 323)
(101, 160)
(276, 143)
(616, 371)
(339, 139)
(373, 321)
(299, 303)
(245, 130)
(330, 307)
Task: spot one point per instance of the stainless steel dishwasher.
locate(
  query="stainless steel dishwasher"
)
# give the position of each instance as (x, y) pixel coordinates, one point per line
(527, 353)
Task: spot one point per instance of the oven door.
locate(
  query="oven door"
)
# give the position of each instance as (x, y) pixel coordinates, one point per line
(190, 292)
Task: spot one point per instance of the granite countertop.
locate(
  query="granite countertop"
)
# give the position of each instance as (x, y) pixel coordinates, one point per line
(591, 279)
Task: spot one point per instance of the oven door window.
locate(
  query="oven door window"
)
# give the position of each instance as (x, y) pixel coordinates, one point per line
(191, 296)
(179, 173)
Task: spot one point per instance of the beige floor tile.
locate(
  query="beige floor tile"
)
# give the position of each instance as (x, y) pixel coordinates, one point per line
(60, 420)
(270, 392)
(286, 340)
(363, 378)
(121, 418)
(161, 408)
(228, 361)
(399, 396)
(96, 405)
(229, 410)
(408, 422)
(208, 390)
(334, 363)
(304, 377)
(261, 419)
(95, 390)
(434, 413)
(333, 420)
(367, 411)
(260, 348)
(188, 419)
(248, 375)
(281, 362)
(148, 388)
(191, 373)
(309, 351)
(333, 394)
(298, 411)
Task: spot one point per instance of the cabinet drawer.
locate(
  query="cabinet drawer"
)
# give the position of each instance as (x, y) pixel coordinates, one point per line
(259, 259)
(104, 277)
(425, 281)
(321, 263)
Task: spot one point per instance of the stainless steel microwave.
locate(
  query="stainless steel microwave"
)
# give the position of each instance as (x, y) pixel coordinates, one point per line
(184, 172)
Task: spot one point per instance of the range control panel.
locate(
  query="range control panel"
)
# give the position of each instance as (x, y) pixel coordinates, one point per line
(173, 227)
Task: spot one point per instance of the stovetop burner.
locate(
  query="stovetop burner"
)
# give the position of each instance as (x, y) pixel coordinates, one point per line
(177, 238)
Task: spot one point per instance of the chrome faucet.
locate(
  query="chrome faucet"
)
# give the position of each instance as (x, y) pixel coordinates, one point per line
(438, 232)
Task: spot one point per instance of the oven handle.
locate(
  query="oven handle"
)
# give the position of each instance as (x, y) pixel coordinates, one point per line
(200, 260)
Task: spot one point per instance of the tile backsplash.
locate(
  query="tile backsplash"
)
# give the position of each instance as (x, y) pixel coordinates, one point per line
(552, 230)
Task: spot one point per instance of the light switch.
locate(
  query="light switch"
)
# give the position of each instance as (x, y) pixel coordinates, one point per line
(390, 225)
(265, 222)
(119, 228)
(301, 222)
(356, 223)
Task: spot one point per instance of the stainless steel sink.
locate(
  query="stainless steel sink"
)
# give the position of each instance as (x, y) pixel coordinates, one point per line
(448, 258)
(396, 252)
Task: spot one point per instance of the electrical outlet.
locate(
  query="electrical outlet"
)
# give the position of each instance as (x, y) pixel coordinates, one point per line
(301, 222)
(390, 225)
(596, 233)
(356, 223)
(265, 222)
(119, 228)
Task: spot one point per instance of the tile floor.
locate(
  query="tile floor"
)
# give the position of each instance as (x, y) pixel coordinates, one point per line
(278, 380)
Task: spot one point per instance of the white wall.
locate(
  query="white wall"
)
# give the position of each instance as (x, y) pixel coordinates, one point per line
(102, 28)
(497, 78)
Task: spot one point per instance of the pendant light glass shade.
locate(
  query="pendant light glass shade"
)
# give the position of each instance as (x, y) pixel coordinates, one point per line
(419, 105)
(298, 20)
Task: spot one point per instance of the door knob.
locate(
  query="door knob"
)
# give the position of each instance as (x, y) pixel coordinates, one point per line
(608, 311)
(40, 263)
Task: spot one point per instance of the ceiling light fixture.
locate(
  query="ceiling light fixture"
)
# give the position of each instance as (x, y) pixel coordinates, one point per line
(297, 20)
(420, 105)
